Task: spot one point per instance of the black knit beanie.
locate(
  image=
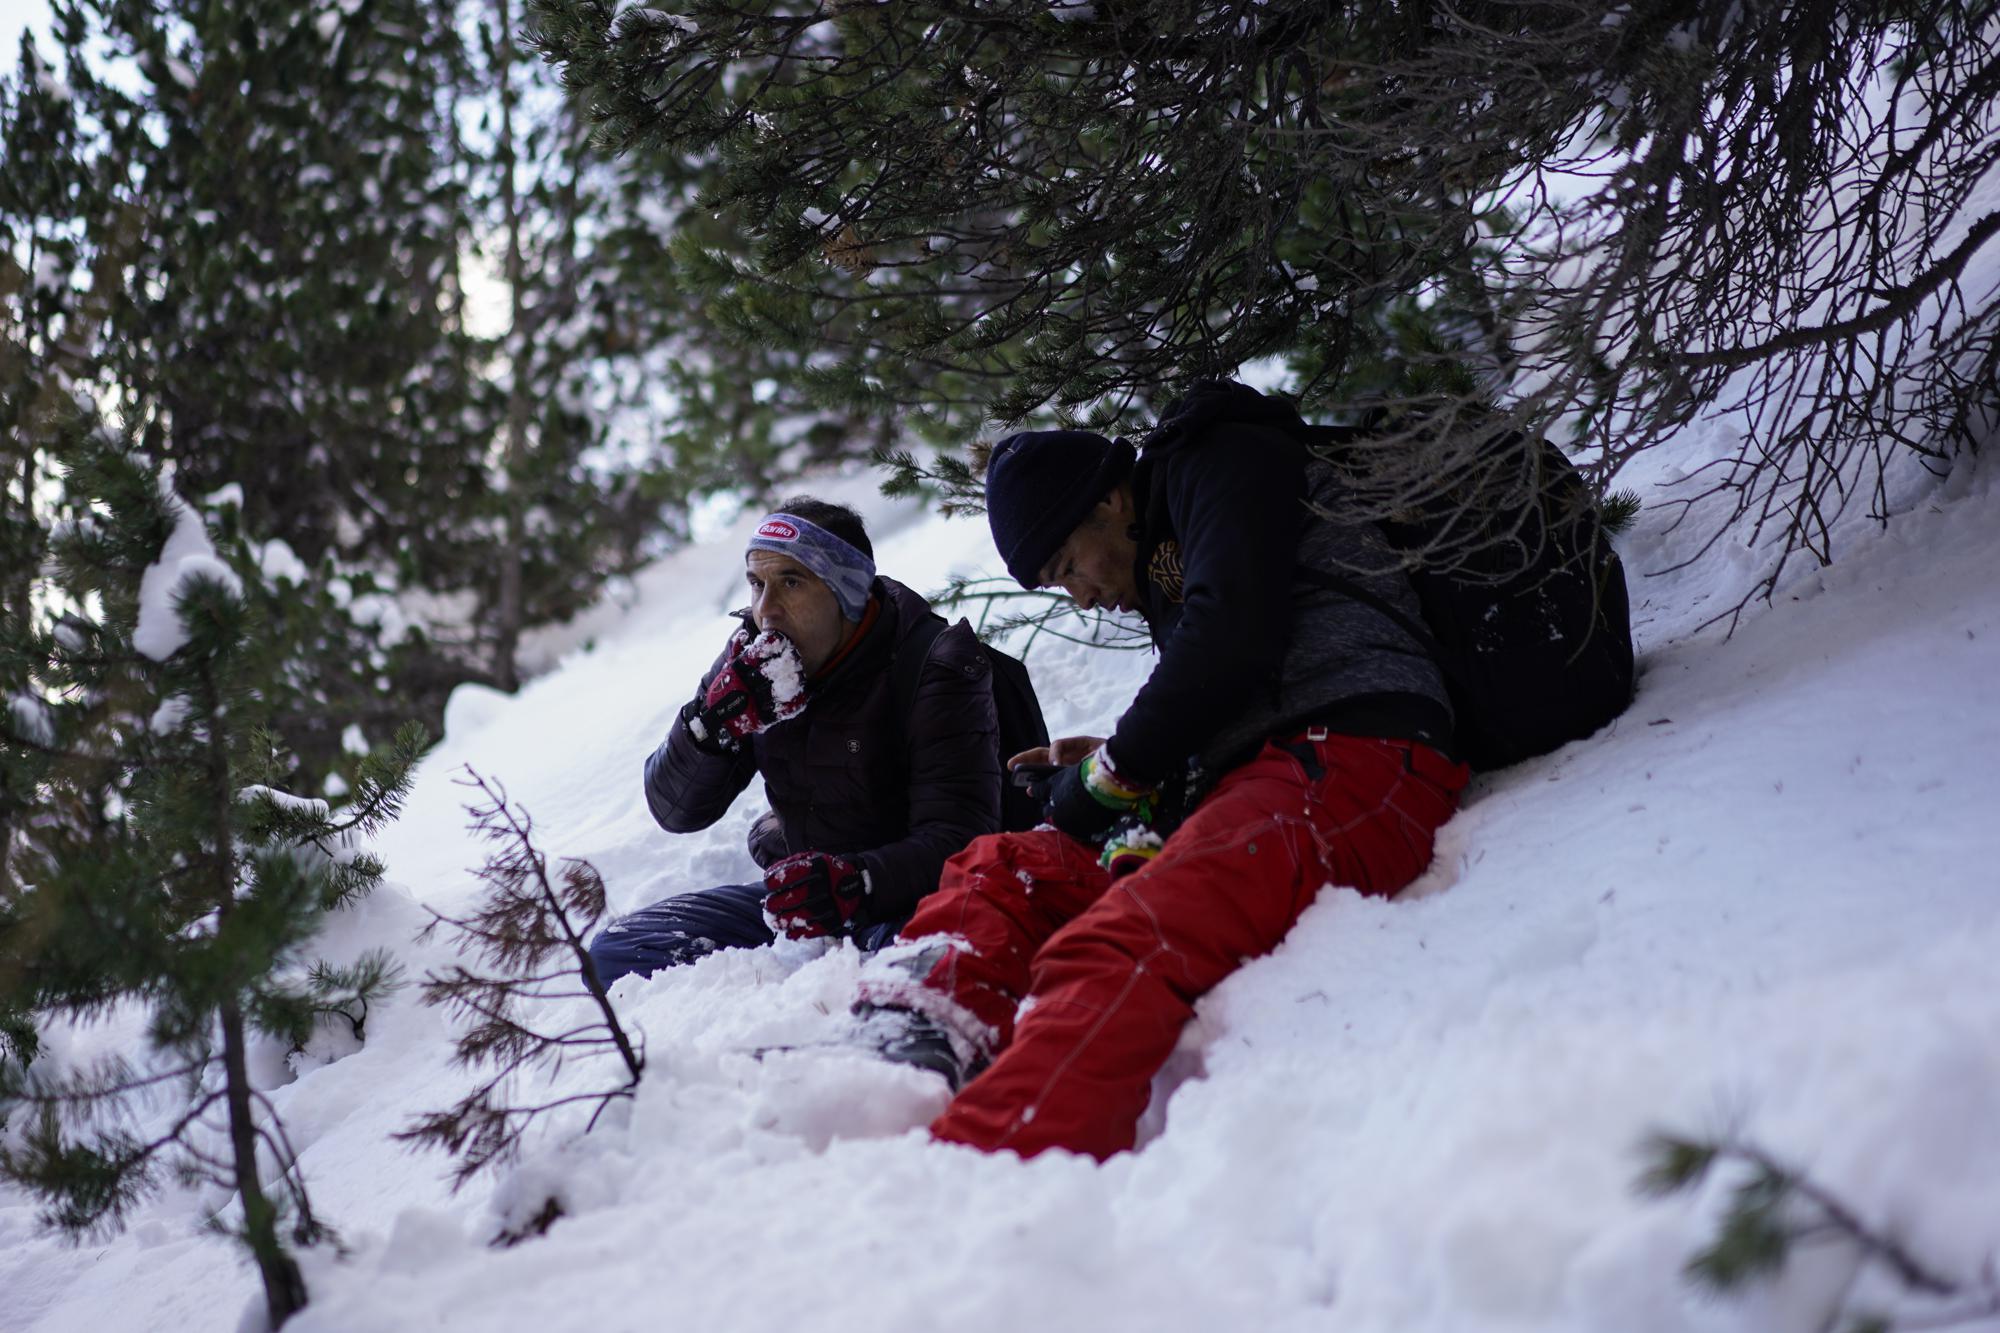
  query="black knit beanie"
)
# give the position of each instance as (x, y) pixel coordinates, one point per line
(1040, 484)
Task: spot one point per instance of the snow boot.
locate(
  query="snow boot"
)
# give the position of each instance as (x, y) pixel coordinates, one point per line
(910, 1037)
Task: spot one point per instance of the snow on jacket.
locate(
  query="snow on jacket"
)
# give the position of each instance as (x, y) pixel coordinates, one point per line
(1229, 503)
(849, 775)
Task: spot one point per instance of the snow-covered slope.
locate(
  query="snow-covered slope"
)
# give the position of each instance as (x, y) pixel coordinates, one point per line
(1764, 900)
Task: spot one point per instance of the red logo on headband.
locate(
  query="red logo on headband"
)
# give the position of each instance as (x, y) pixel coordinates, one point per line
(778, 530)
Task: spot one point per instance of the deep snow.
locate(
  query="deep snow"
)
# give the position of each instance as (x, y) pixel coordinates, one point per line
(1764, 899)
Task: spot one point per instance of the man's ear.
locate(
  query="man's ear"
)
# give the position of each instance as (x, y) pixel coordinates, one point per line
(1117, 508)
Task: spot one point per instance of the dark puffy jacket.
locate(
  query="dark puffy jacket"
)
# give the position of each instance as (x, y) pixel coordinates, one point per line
(849, 775)
(1231, 510)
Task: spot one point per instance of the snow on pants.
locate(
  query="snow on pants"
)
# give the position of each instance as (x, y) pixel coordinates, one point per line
(1114, 967)
(679, 930)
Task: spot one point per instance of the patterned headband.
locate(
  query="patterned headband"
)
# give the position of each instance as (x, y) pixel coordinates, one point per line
(840, 565)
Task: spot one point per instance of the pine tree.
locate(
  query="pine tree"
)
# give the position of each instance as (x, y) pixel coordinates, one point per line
(267, 214)
(243, 240)
(160, 869)
(628, 393)
(1630, 213)
(570, 510)
(295, 328)
(1005, 205)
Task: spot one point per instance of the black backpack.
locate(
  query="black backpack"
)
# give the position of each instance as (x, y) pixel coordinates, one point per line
(1533, 633)
(1019, 711)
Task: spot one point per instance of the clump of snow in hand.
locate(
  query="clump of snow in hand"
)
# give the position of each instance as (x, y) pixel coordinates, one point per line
(187, 555)
(778, 662)
(32, 719)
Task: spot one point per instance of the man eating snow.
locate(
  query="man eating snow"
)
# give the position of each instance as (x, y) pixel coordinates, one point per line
(1290, 736)
(869, 792)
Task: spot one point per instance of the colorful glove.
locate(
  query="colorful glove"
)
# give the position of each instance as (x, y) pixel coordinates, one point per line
(760, 684)
(813, 894)
(1087, 799)
(1130, 846)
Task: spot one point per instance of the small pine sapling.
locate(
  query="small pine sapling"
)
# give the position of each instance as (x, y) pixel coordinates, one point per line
(1775, 1207)
(163, 873)
(528, 935)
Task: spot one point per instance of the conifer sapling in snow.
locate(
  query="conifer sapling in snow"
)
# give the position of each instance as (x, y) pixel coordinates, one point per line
(163, 874)
(530, 932)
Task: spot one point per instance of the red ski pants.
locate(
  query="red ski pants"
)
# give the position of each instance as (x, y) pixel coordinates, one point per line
(1113, 968)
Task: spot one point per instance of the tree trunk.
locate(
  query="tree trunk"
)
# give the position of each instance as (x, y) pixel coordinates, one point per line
(15, 597)
(507, 630)
(284, 1286)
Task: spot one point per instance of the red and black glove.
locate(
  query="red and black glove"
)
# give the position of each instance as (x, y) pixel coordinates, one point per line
(760, 684)
(813, 894)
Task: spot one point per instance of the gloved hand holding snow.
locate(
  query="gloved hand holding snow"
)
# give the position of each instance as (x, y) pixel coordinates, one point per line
(1131, 845)
(760, 684)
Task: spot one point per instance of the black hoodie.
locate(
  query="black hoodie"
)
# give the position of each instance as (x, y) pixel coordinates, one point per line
(1249, 648)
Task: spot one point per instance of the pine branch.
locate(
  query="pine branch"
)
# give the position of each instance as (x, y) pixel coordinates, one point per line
(348, 992)
(89, 1186)
(1775, 1207)
(1043, 613)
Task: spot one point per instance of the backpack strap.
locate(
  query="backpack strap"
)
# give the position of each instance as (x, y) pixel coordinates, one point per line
(1349, 588)
(906, 669)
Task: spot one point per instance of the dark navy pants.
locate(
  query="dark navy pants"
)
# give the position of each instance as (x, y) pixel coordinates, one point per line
(679, 930)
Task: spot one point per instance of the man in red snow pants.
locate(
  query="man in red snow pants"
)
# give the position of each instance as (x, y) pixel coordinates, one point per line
(1290, 736)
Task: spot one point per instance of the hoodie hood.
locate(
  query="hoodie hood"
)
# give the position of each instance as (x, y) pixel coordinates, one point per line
(1212, 401)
